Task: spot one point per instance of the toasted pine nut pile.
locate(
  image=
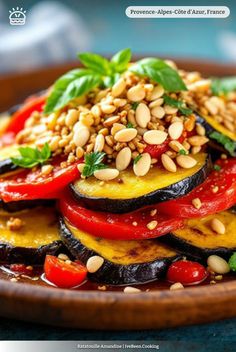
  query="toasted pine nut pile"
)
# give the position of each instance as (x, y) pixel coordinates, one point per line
(125, 120)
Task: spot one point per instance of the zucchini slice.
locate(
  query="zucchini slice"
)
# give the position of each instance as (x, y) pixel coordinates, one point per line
(131, 192)
(211, 126)
(125, 262)
(37, 237)
(198, 239)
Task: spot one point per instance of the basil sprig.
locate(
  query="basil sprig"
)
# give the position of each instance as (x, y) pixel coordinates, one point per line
(30, 157)
(223, 86)
(93, 162)
(232, 262)
(178, 104)
(227, 143)
(159, 71)
(98, 71)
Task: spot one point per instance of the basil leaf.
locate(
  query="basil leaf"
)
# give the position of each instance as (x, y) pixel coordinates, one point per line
(109, 81)
(160, 72)
(178, 104)
(76, 88)
(93, 162)
(223, 85)
(30, 157)
(228, 144)
(137, 158)
(53, 101)
(96, 63)
(45, 152)
(182, 152)
(232, 262)
(121, 59)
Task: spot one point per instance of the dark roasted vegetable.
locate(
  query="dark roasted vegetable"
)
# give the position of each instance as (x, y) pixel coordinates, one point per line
(13, 207)
(199, 240)
(220, 137)
(125, 262)
(131, 192)
(29, 244)
(6, 165)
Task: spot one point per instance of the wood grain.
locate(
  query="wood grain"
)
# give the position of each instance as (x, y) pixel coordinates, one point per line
(110, 310)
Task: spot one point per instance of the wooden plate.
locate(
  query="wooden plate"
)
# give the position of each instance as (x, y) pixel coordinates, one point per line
(110, 310)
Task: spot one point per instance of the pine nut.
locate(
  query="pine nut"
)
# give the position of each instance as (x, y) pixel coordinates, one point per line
(170, 110)
(81, 136)
(118, 87)
(197, 203)
(154, 137)
(80, 167)
(168, 163)
(200, 130)
(177, 146)
(53, 145)
(211, 107)
(131, 117)
(111, 120)
(158, 112)
(157, 102)
(116, 128)
(152, 225)
(71, 117)
(195, 150)
(94, 263)
(86, 119)
(142, 167)
(130, 289)
(99, 143)
(136, 93)
(126, 135)
(142, 115)
(218, 264)
(106, 174)
(108, 109)
(46, 169)
(123, 158)
(96, 111)
(185, 161)
(175, 130)
(198, 141)
(79, 152)
(176, 286)
(218, 226)
(157, 92)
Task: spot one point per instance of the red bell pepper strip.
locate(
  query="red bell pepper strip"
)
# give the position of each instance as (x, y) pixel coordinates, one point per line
(216, 193)
(20, 116)
(130, 226)
(64, 274)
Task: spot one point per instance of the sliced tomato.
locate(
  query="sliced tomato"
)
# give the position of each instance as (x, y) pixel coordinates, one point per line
(186, 272)
(117, 226)
(20, 116)
(21, 269)
(216, 193)
(156, 150)
(64, 274)
(28, 184)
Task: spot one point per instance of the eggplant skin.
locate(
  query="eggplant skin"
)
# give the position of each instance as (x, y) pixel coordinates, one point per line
(12, 207)
(7, 166)
(33, 256)
(113, 273)
(173, 191)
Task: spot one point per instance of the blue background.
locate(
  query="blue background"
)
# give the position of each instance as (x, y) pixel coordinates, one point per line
(110, 30)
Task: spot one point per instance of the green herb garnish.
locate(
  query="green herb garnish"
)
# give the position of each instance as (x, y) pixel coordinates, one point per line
(138, 157)
(177, 104)
(129, 125)
(159, 71)
(232, 262)
(223, 86)
(98, 71)
(217, 167)
(135, 105)
(30, 157)
(93, 162)
(228, 144)
(182, 152)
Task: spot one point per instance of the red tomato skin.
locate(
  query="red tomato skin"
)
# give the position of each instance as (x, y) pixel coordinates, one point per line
(186, 272)
(64, 275)
(19, 117)
(116, 226)
(223, 199)
(21, 269)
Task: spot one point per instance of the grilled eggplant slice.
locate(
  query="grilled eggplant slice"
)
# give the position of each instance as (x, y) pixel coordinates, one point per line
(6, 165)
(125, 262)
(131, 192)
(13, 207)
(213, 128)
(29, 244)
(198, 239)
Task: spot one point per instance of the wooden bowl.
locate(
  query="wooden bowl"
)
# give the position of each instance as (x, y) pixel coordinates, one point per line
(110, 310)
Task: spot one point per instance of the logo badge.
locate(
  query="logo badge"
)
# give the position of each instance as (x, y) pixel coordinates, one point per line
(17, 16)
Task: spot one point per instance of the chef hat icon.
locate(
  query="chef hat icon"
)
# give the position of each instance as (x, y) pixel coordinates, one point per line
(17, 16)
